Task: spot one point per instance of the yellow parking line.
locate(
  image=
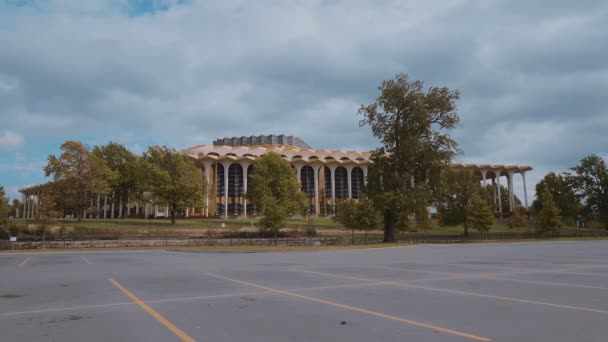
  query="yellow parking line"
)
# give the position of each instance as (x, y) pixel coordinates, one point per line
(177, 331)
(24, 262)
(511, 299)
(356, 309)
(86, 260)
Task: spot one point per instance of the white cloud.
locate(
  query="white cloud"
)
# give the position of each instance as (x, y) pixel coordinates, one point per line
(533, 78)
(10, 140)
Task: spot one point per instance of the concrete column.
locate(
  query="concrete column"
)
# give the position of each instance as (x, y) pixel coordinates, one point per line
(523, 176)
(98, 204)
(364, 175)
(498, 193)
(23, 214)
(226, 178)
(332, 176)
(91, 205)
(207, 166)
(245, 167)
(511, 195)
(299, 172)
(30, 204)
(113, 200)
(494, 190)
(315, 169)
(105, 207)
(483, 177)
(120, 206)
(187, 212)
(349, 170)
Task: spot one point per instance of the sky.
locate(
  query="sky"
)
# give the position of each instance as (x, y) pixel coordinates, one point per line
(533, 75)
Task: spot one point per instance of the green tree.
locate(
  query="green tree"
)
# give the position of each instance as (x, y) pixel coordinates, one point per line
(77, 175)
(126, 181)
(548, 218)
(518, 219)
(47, 212)
(411, 124)
(4, 207)
(275, 191)
(590, 183)
(479, 213)
(14, 206)
(459, 189)
(171, 178)
(504, 198)
(563, 194)
(357, 215)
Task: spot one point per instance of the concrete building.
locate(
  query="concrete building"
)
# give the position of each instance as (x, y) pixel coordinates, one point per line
(326, 176)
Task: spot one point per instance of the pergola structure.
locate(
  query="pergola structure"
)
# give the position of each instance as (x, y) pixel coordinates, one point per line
(326, 176)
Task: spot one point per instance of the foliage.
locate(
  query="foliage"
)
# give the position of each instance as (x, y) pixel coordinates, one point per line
(275, 191)
(590, 183)
(4, 208)
(127, 178)
(357, 215)
(548, 218)
(479, 213)
(518, 219)
(411, 124)
(48, 210)
(504, 198)
(171, 178)
(563, 194)
(459, 188)
(15, 205)
(77, 174)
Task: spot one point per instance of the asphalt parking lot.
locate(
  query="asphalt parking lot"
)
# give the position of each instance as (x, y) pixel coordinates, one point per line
(550, 291)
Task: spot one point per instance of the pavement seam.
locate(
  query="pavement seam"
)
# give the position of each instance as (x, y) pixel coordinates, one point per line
(520, 300)
(356, 309)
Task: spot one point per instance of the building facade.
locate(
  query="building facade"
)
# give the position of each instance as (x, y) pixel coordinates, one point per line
(326, 176)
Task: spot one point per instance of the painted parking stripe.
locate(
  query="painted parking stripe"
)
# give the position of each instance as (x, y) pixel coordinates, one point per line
(511, 299)
(85, 260)
(356, 309)
(24, 262)
(174, 329)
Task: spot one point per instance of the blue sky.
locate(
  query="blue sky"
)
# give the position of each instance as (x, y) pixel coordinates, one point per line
(533, 76)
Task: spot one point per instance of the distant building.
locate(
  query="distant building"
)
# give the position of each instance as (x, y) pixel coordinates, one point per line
(326, 176)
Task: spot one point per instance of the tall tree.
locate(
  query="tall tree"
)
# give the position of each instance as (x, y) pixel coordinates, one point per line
(590, 183)
(479, 213)
(126, 182)
(548, 218)
(171, 178)
(563, 195)
(4, 207)
(460, 187)
(77, 175)
(275, 191)
(411, 124)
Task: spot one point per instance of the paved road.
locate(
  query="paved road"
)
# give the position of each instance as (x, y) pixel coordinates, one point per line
(556, 291)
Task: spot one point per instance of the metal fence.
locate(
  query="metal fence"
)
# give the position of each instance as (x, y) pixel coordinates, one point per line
(33, 242)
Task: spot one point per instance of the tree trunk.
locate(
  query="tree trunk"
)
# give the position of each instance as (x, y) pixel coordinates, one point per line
(353, 236)
(390, 227)
(366, 236)
(172, 217)
(466, 229)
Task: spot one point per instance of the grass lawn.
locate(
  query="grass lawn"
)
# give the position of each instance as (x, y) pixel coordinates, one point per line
(201, 227)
